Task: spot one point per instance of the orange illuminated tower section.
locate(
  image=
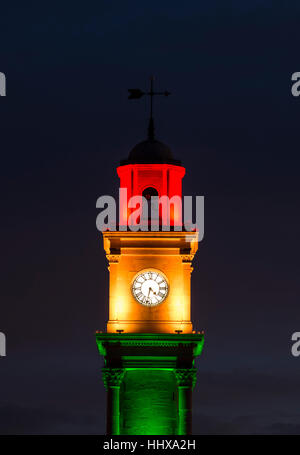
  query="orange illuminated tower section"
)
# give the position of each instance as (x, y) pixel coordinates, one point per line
(150, 345)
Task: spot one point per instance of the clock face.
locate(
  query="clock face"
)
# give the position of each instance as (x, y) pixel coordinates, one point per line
(150, 288)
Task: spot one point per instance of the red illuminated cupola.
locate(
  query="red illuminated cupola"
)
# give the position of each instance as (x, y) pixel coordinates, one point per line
(151, 170)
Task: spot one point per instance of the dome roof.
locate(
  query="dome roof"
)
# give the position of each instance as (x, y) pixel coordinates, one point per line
(150, 151)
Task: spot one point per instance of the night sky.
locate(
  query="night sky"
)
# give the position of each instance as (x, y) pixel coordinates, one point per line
(65, 124)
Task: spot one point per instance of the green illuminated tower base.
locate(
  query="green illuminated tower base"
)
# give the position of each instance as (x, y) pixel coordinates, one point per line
(149, 380)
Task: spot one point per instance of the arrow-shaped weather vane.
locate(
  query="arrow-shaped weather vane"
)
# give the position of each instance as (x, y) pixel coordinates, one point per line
(136, 93)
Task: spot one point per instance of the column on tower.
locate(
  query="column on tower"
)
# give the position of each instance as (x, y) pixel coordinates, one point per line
(112, 378)
(186, 380)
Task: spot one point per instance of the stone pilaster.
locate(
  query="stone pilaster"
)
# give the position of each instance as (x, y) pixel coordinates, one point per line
(186, 380)
(112, 378)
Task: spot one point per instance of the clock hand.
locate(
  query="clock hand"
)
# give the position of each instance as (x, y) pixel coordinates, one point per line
(154, 293)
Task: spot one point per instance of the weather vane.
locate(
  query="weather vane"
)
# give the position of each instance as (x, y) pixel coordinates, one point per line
(136, 93)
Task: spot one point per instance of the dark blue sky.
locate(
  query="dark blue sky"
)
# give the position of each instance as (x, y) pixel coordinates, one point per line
(65, 124)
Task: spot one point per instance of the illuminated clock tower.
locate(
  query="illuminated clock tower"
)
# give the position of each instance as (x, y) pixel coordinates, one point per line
(149, 345)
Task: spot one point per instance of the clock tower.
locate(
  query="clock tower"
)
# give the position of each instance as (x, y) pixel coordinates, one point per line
(149, 346)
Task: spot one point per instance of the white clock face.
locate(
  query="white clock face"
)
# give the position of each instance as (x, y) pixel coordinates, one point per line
(150, 288)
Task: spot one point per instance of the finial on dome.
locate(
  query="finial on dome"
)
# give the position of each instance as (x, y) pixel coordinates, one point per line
(136, 93)
(151, 130)
(151, 121)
